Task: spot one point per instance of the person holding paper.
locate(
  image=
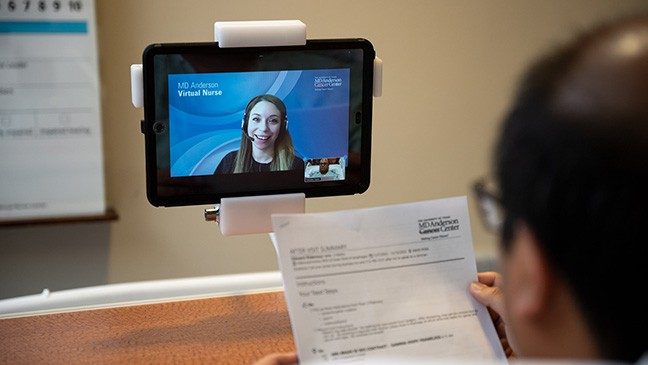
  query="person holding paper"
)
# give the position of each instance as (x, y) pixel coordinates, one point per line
(572, 204)
(572, 171)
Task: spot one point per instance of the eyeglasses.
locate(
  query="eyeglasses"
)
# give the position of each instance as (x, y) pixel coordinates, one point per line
(490, 205)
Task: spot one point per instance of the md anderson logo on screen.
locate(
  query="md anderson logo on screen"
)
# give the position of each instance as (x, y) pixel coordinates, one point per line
(438, 225)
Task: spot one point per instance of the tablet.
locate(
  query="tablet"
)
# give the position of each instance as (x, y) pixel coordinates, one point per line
(225, 122)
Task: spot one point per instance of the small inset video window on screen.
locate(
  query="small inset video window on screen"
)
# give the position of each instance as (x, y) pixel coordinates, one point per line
(325, 169)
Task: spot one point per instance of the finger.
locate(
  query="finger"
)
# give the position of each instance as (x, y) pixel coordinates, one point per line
(490, 278)
(287, 358)
(490, 296)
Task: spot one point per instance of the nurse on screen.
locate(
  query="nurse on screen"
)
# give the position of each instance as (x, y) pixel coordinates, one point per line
(266, 144)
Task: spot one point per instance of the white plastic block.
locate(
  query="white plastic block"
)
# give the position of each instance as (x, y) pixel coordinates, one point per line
(252, 214)
(137, 85)
(377, 77)
(260, 33)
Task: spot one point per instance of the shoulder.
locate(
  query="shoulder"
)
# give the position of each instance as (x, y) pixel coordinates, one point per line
(226, 165)
(297, 163)
(230, 156)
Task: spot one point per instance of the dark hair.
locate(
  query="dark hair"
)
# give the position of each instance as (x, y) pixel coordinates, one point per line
(578, 178)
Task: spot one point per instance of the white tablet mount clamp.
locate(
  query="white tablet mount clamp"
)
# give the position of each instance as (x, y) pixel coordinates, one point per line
(252, 214)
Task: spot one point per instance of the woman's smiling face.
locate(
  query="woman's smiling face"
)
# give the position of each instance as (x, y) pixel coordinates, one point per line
(264, 124)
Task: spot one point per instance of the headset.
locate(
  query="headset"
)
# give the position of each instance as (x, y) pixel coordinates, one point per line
(256, 100)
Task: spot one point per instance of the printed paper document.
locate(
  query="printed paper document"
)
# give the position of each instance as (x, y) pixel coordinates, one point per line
(384, 282)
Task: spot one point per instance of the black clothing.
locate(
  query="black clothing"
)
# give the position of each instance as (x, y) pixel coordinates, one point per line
(226, 166)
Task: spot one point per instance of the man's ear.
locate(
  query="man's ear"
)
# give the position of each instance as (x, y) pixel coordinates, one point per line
(528, 277)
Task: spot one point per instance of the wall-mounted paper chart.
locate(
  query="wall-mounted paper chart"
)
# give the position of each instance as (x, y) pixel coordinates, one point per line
(51, 160)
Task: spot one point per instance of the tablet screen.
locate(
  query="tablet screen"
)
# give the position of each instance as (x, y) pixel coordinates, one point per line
(207, 121)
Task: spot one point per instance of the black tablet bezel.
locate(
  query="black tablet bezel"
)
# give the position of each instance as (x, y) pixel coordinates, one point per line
(198, 190)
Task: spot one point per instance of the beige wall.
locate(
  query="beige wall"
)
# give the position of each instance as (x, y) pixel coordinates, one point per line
(450, 69)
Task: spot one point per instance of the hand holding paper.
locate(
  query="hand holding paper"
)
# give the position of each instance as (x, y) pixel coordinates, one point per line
(383, 282)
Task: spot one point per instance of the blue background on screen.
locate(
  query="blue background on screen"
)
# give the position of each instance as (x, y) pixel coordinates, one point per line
(203, 129)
